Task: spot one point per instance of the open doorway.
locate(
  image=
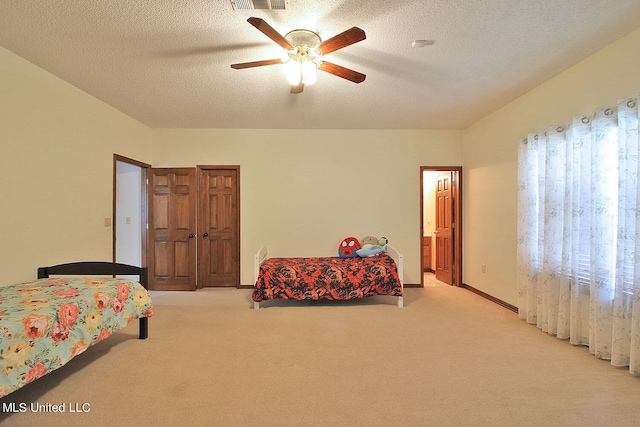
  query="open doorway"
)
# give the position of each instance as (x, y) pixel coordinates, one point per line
(129, 211)
(440, 223)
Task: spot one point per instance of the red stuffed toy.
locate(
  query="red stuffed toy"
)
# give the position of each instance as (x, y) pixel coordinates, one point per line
(348, 248)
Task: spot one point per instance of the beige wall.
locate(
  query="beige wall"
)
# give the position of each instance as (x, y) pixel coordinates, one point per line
(303, 191)
(56, 162)
(490, 156)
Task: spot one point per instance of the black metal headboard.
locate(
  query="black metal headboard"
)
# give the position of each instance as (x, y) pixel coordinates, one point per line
(92, 268)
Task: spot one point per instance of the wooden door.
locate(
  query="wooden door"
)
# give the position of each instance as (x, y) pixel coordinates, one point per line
(172, 228)
(444, 230)
(218, 226)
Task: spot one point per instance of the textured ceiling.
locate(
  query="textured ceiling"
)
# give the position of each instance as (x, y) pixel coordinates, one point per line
(167, 63)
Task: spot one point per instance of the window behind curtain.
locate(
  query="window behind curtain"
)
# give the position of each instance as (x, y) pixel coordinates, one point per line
(578, 248)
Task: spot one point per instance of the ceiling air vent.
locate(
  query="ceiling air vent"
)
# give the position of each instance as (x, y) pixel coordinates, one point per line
(260, 4)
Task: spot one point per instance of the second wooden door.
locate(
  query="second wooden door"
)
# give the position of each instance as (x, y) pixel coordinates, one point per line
(218, 229)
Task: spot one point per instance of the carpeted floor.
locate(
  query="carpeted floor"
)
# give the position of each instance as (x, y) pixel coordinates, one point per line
(449, 358)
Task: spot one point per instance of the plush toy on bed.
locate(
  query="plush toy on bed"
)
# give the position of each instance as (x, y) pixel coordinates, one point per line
(372, 251)
(369, 241)
(348, 248)
(372, 246)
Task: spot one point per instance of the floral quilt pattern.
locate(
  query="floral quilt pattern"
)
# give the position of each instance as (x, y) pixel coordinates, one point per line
(45, 323)
(331, 278)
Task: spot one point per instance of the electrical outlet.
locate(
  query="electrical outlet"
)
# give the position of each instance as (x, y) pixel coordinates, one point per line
(107, 222)
(483, 267)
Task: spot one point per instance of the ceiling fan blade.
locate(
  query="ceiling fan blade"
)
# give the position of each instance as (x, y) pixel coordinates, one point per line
(268, 31)
(256, 64)
(343, 72)
(349, 37)
(297, 88)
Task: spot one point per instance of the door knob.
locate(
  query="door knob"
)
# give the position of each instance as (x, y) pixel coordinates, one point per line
(191, 236)
(205, 234)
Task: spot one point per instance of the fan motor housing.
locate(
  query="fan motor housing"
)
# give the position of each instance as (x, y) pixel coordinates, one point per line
(303, 38)
(304, 42)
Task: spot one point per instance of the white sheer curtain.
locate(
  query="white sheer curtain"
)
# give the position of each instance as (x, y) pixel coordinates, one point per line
(579, 232)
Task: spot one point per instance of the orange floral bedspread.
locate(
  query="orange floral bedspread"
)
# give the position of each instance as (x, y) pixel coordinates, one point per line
(45, 323)
(331, 278)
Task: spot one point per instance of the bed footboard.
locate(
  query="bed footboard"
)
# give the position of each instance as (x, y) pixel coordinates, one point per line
(92, 268)
(399, 260)
(259, 258)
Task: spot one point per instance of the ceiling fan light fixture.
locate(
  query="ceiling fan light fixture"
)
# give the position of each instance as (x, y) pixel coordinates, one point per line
(298, 72)
(309, 76)
(300, 62)
(292, 71)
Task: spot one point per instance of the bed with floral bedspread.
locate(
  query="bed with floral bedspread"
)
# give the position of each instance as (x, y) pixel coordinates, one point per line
(47, 322)
(330, 278)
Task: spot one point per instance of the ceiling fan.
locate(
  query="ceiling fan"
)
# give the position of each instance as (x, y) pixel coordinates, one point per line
(303, 54)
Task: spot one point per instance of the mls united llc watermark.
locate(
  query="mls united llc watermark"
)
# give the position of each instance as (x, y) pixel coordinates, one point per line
(21, 407)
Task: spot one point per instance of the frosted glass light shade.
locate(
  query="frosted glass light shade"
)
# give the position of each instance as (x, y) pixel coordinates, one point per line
(297, 72)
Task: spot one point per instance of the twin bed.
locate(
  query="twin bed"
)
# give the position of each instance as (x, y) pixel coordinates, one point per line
(330, 278)
(47, 322)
